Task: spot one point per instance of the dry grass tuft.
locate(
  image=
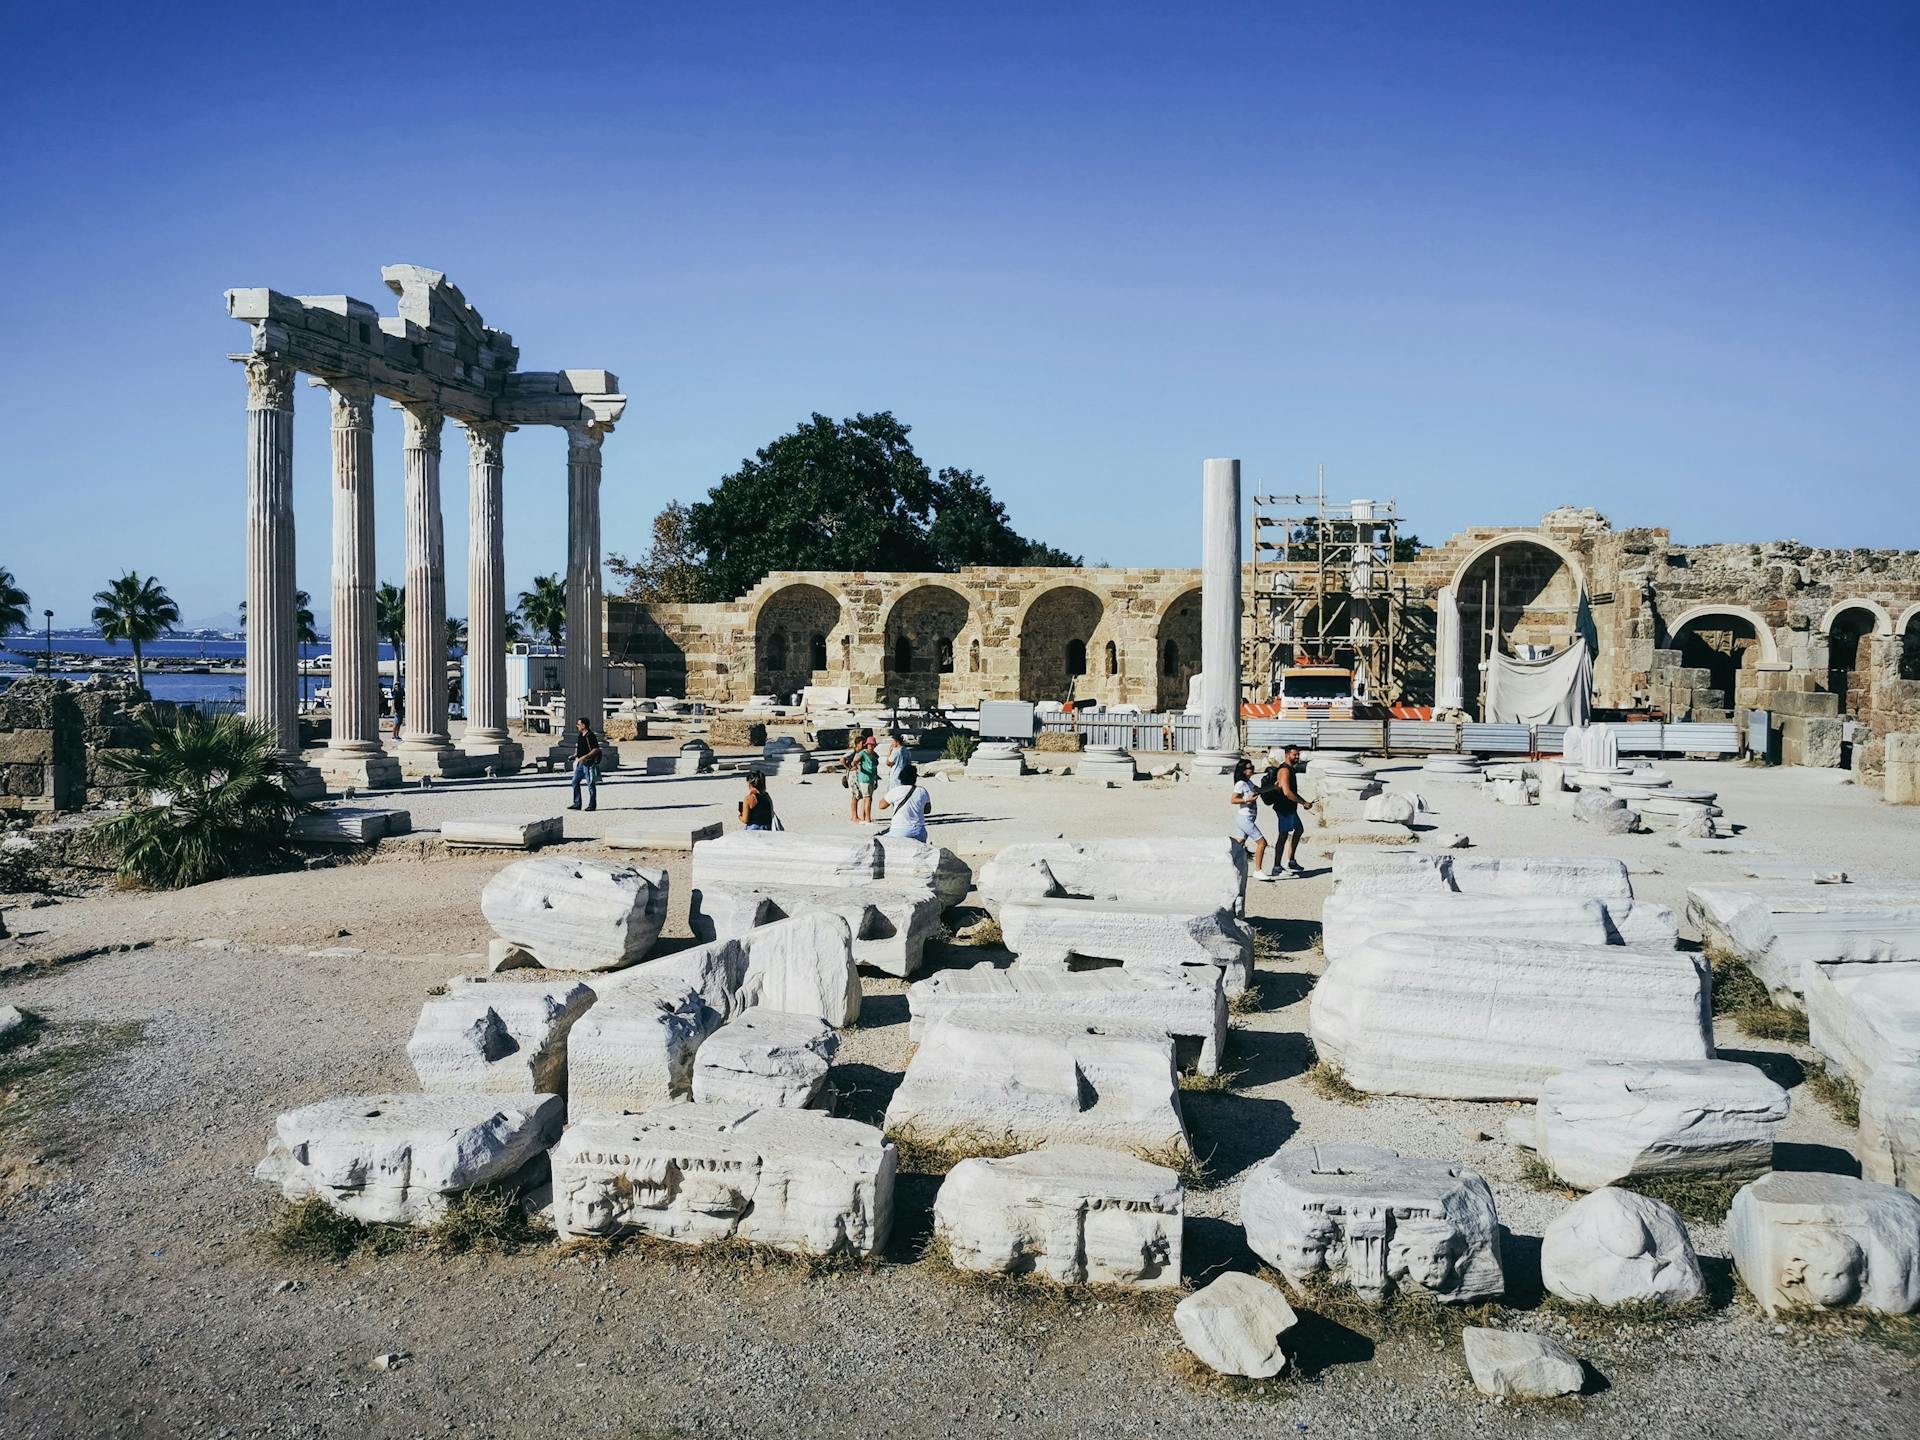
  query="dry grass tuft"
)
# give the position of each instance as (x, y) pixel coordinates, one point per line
(1739, 995)
(1327, 1081)
(1836, 1092)
(1403, 1315)
(1773, 1022)
(923, 1154)
(1196, 1373)
(1638, 1312)
(1247, 1002)
(1539, 1175)
(489, 1221)
(733, 1254)
(1195, 1171)
(311, 1229)
(1221, 1082)
(982, 933)
(1696, 1197)
(1037, 1293)
(1899, 1333)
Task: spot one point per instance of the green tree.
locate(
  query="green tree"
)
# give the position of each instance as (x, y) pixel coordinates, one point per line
(456, 636)
(1405, 548)
(16, 606)
(672, 570)
(211, 801)
(970, 527)
(136, 609)
(390, 623)
(544, 607)
(516, 631)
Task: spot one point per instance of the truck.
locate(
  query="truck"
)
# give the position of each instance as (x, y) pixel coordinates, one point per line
(1316, 692)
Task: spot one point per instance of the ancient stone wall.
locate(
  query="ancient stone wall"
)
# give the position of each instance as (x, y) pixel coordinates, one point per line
(54, 735)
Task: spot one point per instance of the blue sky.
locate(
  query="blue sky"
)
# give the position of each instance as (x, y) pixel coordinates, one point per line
(1663, 260)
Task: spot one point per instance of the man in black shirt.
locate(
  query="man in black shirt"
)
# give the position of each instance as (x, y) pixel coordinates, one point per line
(1278, 789)
(586, 765)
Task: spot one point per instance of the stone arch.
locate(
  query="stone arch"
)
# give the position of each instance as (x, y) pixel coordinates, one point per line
(792, 626)
(1845, 626)
(1177, 647)
(1113, 659)
(1729, 642)
(1763, 632)
(1055, 628)
(923, 629)
(1882, 621)
(1541, 600)
(1909, 635)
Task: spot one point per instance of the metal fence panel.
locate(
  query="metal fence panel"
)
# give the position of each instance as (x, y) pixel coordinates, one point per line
(1549, 739)
(1497, 739)
(1271, 734)
(1349, 734)
(1422, 736)
(1701, 737)
(1638, 739)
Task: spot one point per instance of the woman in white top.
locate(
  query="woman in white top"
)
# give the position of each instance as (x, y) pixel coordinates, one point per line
(910, 805)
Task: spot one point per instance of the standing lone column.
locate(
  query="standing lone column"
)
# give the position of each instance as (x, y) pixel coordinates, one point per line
(1219, 617)
(273, 677)
(487, 603)
(586, 677)
(424, 747)
(354, 754)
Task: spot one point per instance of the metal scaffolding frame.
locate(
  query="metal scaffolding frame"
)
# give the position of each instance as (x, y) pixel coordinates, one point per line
(1325, 590)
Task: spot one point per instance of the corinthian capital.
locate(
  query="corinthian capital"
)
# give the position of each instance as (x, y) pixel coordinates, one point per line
(352, 404)
(422, 424)
(583, 443)
(269, 383)
(485, 441)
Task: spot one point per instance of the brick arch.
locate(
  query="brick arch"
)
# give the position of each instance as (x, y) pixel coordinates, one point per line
(1693, 614)
(794, 628)
(1883, 622)
(916, 624)
(1522, 537)
(1056, 628)
(1176, 645)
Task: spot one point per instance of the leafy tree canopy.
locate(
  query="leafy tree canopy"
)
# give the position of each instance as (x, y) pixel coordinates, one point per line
(831, 495)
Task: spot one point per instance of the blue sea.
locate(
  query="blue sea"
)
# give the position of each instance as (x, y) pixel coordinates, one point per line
(29, 653)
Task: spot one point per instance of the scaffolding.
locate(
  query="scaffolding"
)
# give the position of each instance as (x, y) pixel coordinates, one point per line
(1325, 590)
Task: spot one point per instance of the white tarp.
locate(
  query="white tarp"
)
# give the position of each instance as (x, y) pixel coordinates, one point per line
(1558, 691)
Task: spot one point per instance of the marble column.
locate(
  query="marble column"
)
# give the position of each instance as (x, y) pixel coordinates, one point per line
(1219, 617)
(424, 746)
(585, 672)
(354, 755)
(1449, 681)
(273, 674)
(486, 689)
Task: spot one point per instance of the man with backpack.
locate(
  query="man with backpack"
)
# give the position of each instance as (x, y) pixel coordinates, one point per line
(1279, 788)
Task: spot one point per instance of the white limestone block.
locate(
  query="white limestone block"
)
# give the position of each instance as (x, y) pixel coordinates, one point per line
(1202, 874)
(398, 1159)
(1365, 870)
(767, 860)
(795, 1180)
(1602, 1123)
(501, 833)
(1803, 1239)
(1189, 1004)
(1394, 809)
(634, 1050)
(1235, 1324)
(1137, 933)
(1890, 1127)
(1075, 1214)
(498, 1038)
(716, 914)
(1614, 1247)
(804, 965)
(716, 972)
(577, 914)
(1775, 927)
(1588, 877)
(1641, 925)
(1376, 1220)
(1860, 1017)
(1035, 1079)
(1490, 1019)
(1517, 1366)
(918, 863)
(1348, 920)
(891, 924)
(352, 824)
(765, 1058)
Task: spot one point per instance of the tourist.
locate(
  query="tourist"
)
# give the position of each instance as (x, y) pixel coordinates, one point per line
(586, 764)
(1279, 787)
(866, 779)
(849, 764)
(1246, 817)
(756, 806)
(892, 760)
(910, 804)
(399, 709)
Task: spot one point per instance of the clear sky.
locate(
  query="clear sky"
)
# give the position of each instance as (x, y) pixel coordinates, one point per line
(1660, 259)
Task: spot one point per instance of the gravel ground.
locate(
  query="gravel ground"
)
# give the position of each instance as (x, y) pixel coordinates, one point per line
(141, 1297)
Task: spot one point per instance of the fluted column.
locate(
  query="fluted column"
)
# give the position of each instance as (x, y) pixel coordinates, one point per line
(486, 693)
(586, 681)
(424, 737)
(1219, 616)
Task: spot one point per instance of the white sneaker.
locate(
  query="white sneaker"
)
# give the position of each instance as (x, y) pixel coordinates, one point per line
(1267, 875)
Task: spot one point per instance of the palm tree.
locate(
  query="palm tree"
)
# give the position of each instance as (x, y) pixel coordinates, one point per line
(136, 609)
(211, 802)
(544, 607)
(516, 632)
(15, 604)
(456, 636)
(390, 620)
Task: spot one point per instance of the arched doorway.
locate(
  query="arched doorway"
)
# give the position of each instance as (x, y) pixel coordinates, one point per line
(1521, 595)
(1054, 635)
(1909, 633)
(1728, 646)
(790, 639)
(924, 629)
(1847, 626)
(1179, 651)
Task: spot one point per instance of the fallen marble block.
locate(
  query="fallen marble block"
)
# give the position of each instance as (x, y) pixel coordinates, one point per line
(1360, 870)
(1599, 1124)
(1459, 1018)
(989, 1073)
(1517, 1366)
(499, 833)
(1588, 878)
(679, 841)
(398, 1159)
(1396, 809)
(1641, 925)
(1828, 1242)
(765, 1058)
(1235, 1324)
(1154, 937)
(1861, 1017)
(1201, 874)
(499, 1038)
(1188, 1005)
(1376, 1220)
(795, 1180)
(1614, 1247)
(785, 756)
(1890, 1127)
(1072, 1213)
(762, 860)
(1774, 928)
(716, 972)
(577, 914)
(1348, 921)
(695, 758)
(890, 925)
(917, 863)
(804, 965)
(634, 1050)
(351, 825)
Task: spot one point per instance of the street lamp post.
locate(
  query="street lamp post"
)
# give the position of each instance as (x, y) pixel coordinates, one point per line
(49, 615)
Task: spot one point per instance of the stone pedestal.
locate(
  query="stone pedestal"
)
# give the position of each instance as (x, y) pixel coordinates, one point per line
(785, 756)
(486, 735)
(695, 758)
(1901, 784)
(997, 758)
(1105, 762)
(1219, 618)
(354, 755)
